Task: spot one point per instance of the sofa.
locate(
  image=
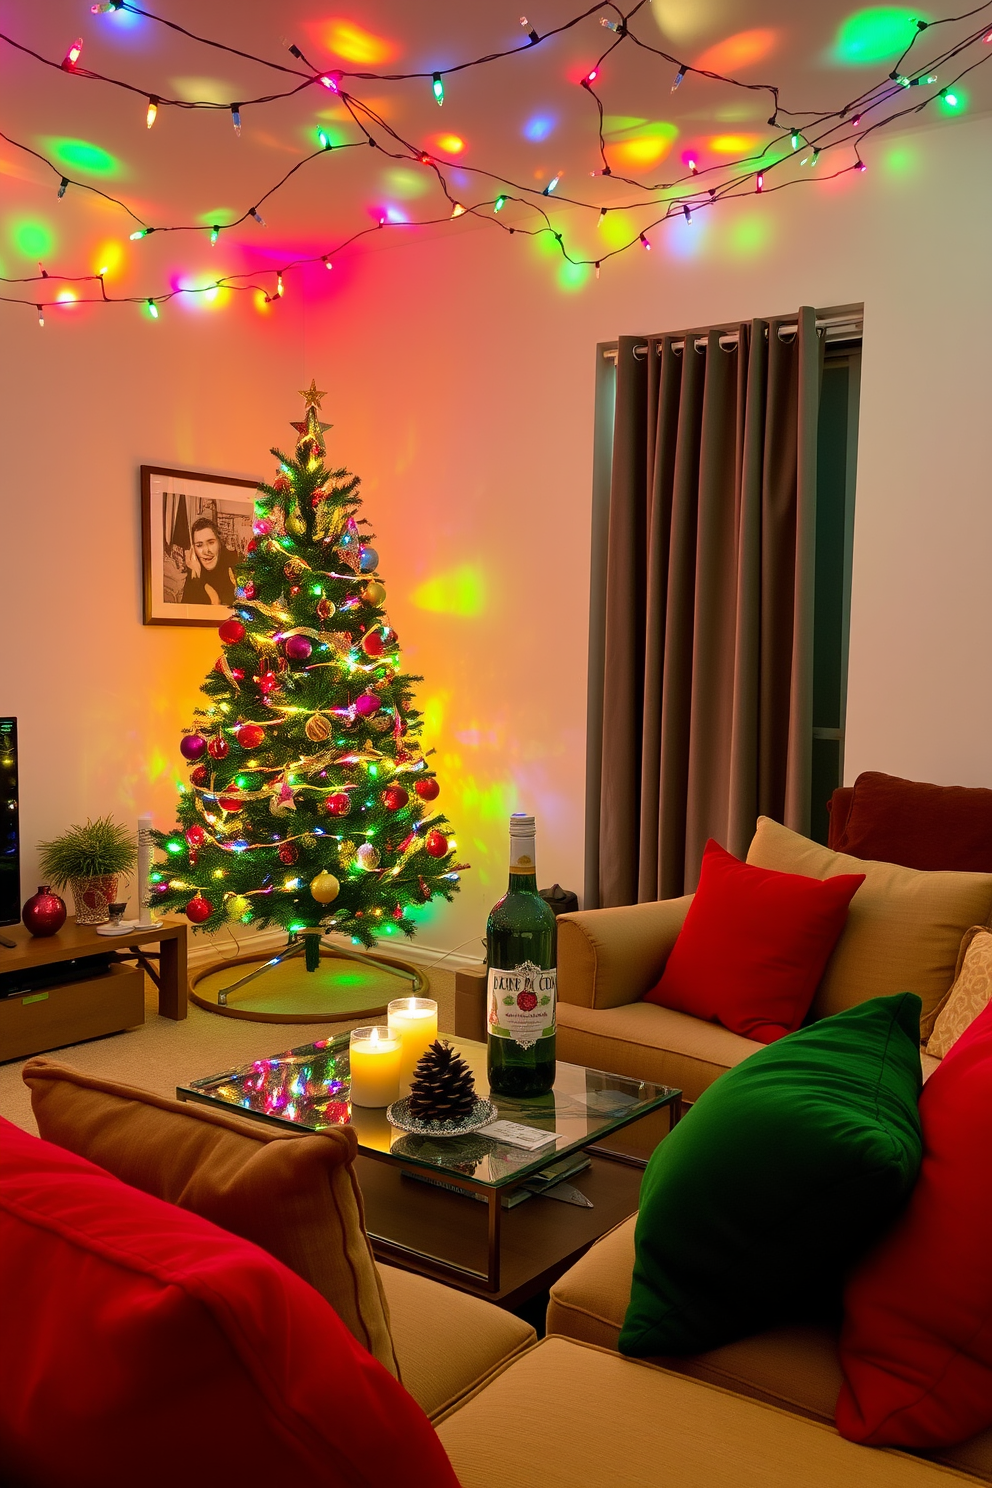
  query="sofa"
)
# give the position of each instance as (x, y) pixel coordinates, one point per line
(508, 1411)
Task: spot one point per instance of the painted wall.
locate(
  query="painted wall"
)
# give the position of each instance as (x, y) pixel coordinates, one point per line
(460, 372)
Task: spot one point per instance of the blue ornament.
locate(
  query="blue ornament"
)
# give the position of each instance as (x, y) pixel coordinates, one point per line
(369, 559)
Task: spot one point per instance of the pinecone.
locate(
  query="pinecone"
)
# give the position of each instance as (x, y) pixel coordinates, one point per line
(443, 1087)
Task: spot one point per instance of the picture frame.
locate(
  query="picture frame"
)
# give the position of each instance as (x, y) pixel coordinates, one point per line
(195, 528)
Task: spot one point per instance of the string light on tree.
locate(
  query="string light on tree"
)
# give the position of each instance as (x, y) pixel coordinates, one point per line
(151, 113)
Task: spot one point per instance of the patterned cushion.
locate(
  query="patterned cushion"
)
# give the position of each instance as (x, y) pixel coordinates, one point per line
(970, 993)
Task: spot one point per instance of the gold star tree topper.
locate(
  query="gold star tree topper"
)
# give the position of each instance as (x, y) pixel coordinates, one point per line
(312, 395)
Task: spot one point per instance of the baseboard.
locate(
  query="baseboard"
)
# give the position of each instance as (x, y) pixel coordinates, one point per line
(268, 942)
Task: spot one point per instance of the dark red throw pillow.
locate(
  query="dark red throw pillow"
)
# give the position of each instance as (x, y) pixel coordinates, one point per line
(144, 1345)
(753, 947)
(933, 827)
(916, 1348)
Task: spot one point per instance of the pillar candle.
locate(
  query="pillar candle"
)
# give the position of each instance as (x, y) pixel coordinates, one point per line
(413, 1020)
(375, 1066)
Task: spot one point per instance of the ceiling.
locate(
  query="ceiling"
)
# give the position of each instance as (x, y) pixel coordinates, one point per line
(506, 128)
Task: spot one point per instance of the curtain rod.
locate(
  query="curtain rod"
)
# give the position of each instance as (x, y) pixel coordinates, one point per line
(841, 325)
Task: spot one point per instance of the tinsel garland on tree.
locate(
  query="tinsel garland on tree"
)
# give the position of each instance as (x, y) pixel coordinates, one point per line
(309, 799)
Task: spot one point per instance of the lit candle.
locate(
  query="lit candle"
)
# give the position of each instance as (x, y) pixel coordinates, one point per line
(413, 1020)
(375, 1066)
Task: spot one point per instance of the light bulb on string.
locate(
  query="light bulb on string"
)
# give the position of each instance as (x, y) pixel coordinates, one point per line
(855, 121)
(549, 189)
(458, 210)
(859, 165)
(214, 235)
(62, 186)
(686, 213)
(322, 139)
(257, 216)
(72, 55)
(332, 80)
(951, 99)
(151, 113)
(328, 264)
(280, 288)
(236, 118)
(141, 232)
(759, 184)
(152, 309)
(795, 139)
(437, 85)
(611, 25)
(41, 315)
(678, 77)
(602, 212)
(499, 203)
(693, 165)
(107, 5)
(532, 35)
(645, 243)
(597, 269)
(590, 78)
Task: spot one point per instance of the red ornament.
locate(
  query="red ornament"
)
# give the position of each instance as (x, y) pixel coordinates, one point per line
(338, 804)
(248, 590)
(200, 776)
(324, 609)
(394, 798)
(219, 747)
(366, 705)
(237, 674)
(219, 664)
(252, 546)
(398, 912)
(44, 913)
(250, 735)
(423, 890)
(268, 681)
(373, 644)
(282, 484)
(193, 747)
(435, 844)
(231, 632)
(199, 909)
(428, 789)
(195, 836)
(298, 648)
(230, 800)
(262, 527)
(288, 852)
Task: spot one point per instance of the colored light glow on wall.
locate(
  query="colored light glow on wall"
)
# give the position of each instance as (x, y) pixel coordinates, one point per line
(572, 277)
(391, 213)
(353, 43)
(875, 35)
(407, 183)
(733, 144)
(449, 144)
(210, 90)
(638, 144)
(33, 239)
(739, 51)
(460, 591)
(750, 235)
(66, 297)
(539, 126)
(684, 239)
(82, 156)
(108, 257)
(616, 229)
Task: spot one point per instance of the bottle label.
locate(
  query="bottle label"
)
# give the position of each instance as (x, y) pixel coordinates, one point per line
(523, 856)
(521, 1003)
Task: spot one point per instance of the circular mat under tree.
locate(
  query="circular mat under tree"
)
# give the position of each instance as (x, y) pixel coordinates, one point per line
(342, 989)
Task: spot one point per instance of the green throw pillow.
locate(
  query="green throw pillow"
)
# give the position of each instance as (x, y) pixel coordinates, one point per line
(782, 1173)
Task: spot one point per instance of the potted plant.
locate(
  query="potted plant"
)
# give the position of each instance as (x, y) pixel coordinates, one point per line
(89, 859)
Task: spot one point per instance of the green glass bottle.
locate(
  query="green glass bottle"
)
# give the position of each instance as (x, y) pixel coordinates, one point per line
(522, 945)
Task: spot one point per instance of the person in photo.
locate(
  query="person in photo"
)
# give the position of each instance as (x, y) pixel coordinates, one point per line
(211, 578)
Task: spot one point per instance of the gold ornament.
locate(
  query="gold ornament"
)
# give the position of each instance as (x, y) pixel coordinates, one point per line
(308, 839)
(293, 567)
(382, 722)
(346, 852)
(375, 592)
(325, 887)
(237, 907)
(367, 857)
(317, 728)
(339, 639)
(311, 394)
(295, 524)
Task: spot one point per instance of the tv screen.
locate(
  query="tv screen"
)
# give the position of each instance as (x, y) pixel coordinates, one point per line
(10, 839)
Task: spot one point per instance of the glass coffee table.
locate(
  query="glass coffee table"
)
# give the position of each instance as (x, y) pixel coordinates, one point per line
(601, 1130)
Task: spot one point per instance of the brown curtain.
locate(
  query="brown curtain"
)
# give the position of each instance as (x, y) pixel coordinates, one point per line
(706, 690)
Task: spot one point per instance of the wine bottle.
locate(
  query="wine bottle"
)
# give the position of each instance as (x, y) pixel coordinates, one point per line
(522, 944)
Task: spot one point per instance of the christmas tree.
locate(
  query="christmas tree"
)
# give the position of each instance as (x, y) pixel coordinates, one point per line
(310, 798)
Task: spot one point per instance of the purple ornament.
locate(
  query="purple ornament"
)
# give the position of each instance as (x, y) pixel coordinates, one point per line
(366, 704)
(368, 559)
(298, 648)
(193, 747)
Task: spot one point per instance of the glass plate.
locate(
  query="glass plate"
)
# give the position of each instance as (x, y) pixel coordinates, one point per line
(398, 1114)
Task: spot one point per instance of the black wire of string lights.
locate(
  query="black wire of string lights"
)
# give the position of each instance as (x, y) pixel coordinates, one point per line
(820, 133)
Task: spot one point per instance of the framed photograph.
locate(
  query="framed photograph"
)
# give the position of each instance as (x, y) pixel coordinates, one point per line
(194, 532)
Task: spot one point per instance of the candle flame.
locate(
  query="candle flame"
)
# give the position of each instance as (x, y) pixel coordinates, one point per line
(375, 1036)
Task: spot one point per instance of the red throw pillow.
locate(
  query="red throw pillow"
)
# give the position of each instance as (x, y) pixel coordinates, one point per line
(916, 1347)
(932, 827)
(143, 1344)
(753, 946)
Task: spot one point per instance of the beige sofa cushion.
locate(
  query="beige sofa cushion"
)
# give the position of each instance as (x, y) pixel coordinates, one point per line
(904, 927)
(649, 1042)
(294, 1195)
(566, 1414)
(970, 994)
(607, 957)
(446, 1342)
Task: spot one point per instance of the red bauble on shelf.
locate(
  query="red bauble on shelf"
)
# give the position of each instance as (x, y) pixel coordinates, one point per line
(435, 844)
(44, 913)
(199, 909)
(394, 798)
(250, 735)
(428, 790)
(338, 804)
(219, 747)
(231, 632)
